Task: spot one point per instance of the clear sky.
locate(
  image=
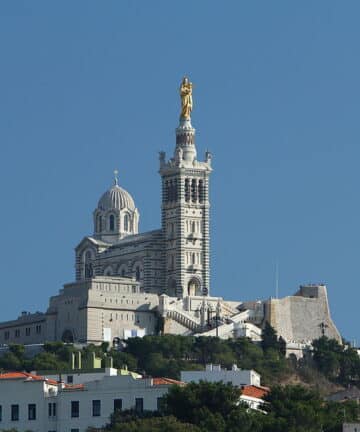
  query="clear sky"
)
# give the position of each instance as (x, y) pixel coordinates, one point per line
(90, 86)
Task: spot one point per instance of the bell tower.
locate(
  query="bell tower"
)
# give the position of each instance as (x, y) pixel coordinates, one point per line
(185, 210)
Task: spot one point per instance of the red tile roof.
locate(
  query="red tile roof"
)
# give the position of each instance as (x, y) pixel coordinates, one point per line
(25, 376)
(254, 391)
(74, 387)
(166, 381)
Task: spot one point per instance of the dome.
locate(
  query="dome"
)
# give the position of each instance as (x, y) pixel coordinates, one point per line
(116, 198)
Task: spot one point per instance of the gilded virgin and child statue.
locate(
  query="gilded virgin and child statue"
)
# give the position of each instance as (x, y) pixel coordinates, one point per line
(186, 98)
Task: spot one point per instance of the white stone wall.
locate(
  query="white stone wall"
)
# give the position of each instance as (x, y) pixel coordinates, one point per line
(214, 373)
(351, 427)
(23, 392)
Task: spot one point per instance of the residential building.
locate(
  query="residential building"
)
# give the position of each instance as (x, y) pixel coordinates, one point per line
(32, 402)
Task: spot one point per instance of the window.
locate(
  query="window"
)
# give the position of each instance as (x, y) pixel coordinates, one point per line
(112, 223)
(14, 412)
(117, 404)
(27, 331)
(32, 412)
(139, 405)
(88, 265)
(96, 408)
(187, 190)
(38, 329)
(17, 333)
(201, 191)
(52, 409)
(0, 413)
(7, 335)
(70, 379)
(137, 273)
(75, 409)
(160, 404)
(99, 223)
(126, 222)
(193, 190)
(74, 430)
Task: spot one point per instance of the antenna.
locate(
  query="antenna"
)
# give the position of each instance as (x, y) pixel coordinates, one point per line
(276, 279)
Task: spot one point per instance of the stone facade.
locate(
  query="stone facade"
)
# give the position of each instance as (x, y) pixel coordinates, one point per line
(302, 317)
(185, 217)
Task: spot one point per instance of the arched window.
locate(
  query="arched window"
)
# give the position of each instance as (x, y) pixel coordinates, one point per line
(201, 191)
(99, 223)
(108, 271)
(67, 336)
(193, 190)
(171, 291)
(175, 195)
(167, 191)
(122, 270)
(88, 268)
(112, 223)
(187, 190)
(171, 190)
(137, 273)
(194, 287)
(126, 222)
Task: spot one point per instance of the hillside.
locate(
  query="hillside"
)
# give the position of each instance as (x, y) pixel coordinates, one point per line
(328, 368)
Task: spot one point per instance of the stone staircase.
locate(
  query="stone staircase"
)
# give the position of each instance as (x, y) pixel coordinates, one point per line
(184, 319)
(227, 330)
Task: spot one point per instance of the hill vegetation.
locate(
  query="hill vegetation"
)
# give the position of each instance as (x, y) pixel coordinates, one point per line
(327, 366)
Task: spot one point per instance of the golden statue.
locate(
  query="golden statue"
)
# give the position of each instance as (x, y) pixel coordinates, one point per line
(186, 98)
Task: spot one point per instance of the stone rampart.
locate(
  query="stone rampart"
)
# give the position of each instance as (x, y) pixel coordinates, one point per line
(302, 317)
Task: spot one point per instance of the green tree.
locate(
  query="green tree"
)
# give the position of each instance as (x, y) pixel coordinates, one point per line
(293, 408)
(188, 403)
(153, 424)
(48, 361)
(269, 338)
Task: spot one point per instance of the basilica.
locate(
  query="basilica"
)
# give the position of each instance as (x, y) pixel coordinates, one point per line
(131, 284)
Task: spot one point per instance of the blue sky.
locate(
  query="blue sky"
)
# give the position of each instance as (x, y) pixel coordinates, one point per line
(90, 86)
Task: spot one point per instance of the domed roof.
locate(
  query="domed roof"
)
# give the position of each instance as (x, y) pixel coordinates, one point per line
(116, 198)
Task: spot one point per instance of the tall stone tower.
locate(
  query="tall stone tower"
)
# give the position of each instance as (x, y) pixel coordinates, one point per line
(185, 210)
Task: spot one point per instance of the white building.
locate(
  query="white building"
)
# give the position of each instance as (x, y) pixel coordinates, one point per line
(31, 402)
(214, 373)
(252, 393)
(253, 396)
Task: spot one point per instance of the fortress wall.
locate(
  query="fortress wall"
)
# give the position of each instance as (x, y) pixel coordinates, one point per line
(299, 318)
